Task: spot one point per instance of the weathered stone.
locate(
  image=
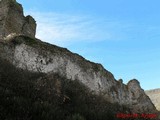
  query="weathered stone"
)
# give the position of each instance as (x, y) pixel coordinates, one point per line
(140, 101)
(12, 20)
(47, 58)
(32, 54)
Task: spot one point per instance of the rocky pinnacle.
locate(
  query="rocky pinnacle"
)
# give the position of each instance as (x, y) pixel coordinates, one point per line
(12, 20)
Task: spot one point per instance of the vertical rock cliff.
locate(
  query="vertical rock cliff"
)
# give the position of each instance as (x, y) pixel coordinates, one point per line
(12, 20)
(26, 52)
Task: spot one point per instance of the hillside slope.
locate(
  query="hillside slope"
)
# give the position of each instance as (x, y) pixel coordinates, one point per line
(26, 95)
(154, 95)
(20, 48)
(36, 56)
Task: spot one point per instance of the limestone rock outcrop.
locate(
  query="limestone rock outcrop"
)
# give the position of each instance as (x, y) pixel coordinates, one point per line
(35, 55)
(26, 52)
(12, 20)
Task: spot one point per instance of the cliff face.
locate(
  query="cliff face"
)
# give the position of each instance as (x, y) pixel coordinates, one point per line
(12, 20)
(26, 52)
(34, 55)
(154, 95)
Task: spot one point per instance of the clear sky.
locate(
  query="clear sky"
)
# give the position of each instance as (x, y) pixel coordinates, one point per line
(122, 35)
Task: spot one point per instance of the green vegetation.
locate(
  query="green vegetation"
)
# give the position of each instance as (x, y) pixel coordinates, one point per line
(36, 96)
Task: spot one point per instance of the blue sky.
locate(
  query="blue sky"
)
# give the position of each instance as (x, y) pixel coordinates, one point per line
(122, 35)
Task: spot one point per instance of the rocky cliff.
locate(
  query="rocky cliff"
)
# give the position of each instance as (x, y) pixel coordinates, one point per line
(154, 95)
(26, 52)
(12, 20)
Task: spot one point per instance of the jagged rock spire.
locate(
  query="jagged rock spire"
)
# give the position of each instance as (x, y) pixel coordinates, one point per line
(12, 20)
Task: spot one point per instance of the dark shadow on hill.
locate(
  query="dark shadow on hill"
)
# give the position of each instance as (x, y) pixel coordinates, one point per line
(36, 96)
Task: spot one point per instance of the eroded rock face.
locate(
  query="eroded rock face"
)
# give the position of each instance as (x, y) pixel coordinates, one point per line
(25, 52)
(41, 57)
(139, 99)
(12, 20)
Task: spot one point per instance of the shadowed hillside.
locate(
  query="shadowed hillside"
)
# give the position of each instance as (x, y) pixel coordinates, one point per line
(37, 96)
(40, 81)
